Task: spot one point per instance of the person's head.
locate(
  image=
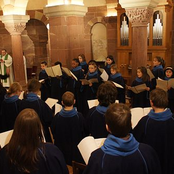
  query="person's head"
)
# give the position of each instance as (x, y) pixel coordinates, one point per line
(169, 72)
(33, 85)
(158, 98)
(158, 61)
(106, 94)
(118, 120)
(68, 99)
(75, 63)
(110, 60)
(26, 138)
(3, 52)
(15, 89)
(81, 58)
(92, 67)
(142, 73)
(114, 69)
(43, 65)
(58, 63)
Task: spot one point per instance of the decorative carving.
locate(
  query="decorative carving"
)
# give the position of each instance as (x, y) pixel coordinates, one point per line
(139, 16)
(15, 28)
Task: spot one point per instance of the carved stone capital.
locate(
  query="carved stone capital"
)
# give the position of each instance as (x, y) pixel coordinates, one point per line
(139, 16)
(15, 24)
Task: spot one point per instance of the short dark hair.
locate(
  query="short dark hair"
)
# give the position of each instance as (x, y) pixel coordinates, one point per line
(76, 60)
(118, 119)
(58, 63)
(111, 58)
(159, 98)
(106, 94)
(44, 62)
(68, 98)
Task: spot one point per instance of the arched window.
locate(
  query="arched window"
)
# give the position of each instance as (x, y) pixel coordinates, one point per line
(124, 30)
(157, 28)
(99, 42)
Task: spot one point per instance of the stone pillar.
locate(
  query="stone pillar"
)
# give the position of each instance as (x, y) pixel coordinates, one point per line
(66, 32)
(139, 13)
(139, 17)
(15, 24)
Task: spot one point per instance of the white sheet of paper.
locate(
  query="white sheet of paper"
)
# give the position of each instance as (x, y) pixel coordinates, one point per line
(74, 76)
(138, 113)
(88, 145)
(57, 70)
(117, 85)
(58, 108)
(41, 80)
(104, 75)
(92, 103)
(5, 137)
(49, 72)
(21, 96)
(51, 102)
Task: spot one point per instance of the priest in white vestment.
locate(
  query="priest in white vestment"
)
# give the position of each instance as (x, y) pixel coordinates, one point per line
(6, 68)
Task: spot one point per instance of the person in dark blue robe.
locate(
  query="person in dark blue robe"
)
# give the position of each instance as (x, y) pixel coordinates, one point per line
(169, 75)
(158, 70)
(46, 84)
(68, 129)
(83, 63)
(116, 77)
(156, 129)
(26, 152)
(121, 153)
(32, 101)
(141, 99)
(3, 92)
(106, 95)
(109, 62)
(10, 107)
(89, 91)
(58, 85)
(73, 85)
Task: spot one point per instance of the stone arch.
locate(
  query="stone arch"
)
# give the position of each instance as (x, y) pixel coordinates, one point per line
(35, 39)
(37, 14)
(87, 31)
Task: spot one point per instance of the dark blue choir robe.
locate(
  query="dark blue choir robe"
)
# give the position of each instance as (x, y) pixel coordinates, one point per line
(50, 161)
(117, 78)
(58, 87)
(84, 66)
(170, 97)
(9, 112)
(156, 130)
(90, 92)
(157, 71)
(3, 91)
(107, 68)
(96, 125)
(102, 163)
(45, 85)
(68, 129)
(44, 112)
(74, 86)
(141, 99)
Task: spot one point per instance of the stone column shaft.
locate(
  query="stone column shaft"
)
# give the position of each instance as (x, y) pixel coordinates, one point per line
(139, 17)
(66, 32)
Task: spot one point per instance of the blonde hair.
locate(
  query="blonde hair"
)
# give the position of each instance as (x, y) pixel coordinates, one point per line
(14, 88)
